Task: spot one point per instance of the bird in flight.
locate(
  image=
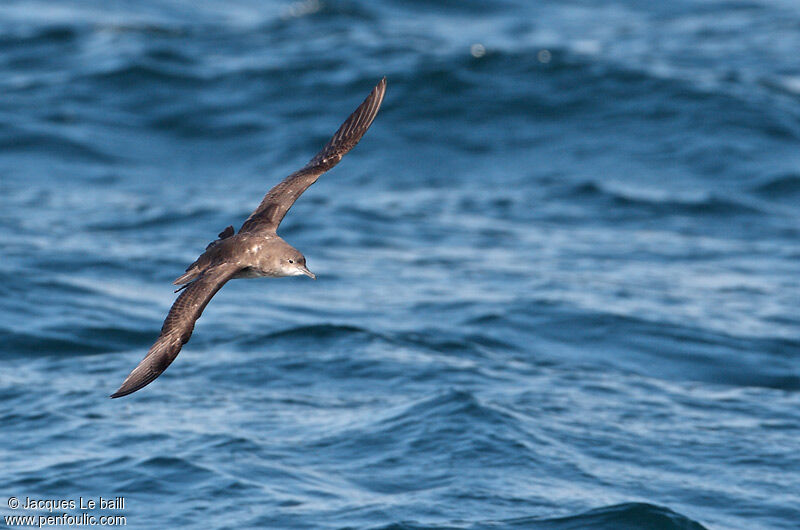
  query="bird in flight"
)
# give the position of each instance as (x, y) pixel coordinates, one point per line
(255, 251)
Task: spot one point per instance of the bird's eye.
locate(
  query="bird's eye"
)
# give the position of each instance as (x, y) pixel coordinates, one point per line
(291, 261)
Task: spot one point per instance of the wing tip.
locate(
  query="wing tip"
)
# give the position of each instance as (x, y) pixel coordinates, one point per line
(380, 91)
(119, 393)
(371, 105)
(128, 388)
(136, 380)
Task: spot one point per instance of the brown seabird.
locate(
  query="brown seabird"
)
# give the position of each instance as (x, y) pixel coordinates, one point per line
(255, 251)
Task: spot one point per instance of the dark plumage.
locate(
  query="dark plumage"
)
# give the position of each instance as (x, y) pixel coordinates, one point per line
(255, 251)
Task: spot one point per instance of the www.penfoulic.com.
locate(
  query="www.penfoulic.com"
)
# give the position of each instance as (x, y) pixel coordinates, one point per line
(65, 519)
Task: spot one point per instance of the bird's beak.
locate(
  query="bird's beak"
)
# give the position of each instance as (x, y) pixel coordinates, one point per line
(307, 272)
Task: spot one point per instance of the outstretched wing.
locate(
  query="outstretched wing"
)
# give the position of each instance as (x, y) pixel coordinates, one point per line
(177, 327)
(279, 199)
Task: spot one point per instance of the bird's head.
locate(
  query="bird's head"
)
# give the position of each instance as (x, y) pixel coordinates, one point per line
(293, 263)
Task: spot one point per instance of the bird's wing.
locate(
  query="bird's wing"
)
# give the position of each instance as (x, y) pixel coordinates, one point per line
(177, 327)
(279, 199)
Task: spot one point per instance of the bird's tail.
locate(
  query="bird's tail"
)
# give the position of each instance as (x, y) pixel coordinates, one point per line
(195, 268)
(187, 277)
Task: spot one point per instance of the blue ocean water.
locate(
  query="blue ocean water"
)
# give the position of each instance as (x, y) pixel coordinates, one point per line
(558, 279)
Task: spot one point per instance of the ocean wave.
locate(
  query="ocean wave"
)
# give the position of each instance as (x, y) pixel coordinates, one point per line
(315, 333)
(25, 344)
(59, 145)
(783, 187)
(148, 218)
(133, 73)
(663, 204)
(629, 516)
(661, 349)
(455, 415)
(73, 342)
(49, 34)
(175, 469)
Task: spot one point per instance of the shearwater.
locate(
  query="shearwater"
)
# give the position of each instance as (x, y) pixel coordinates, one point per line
(255, 251)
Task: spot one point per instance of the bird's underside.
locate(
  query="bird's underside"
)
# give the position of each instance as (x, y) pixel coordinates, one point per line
(256, 250)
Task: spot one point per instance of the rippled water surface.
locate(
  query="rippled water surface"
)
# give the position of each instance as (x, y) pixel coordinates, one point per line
(558, 279)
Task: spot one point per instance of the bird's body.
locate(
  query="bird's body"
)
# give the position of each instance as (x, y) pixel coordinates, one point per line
(256, 255)
(256, 251)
